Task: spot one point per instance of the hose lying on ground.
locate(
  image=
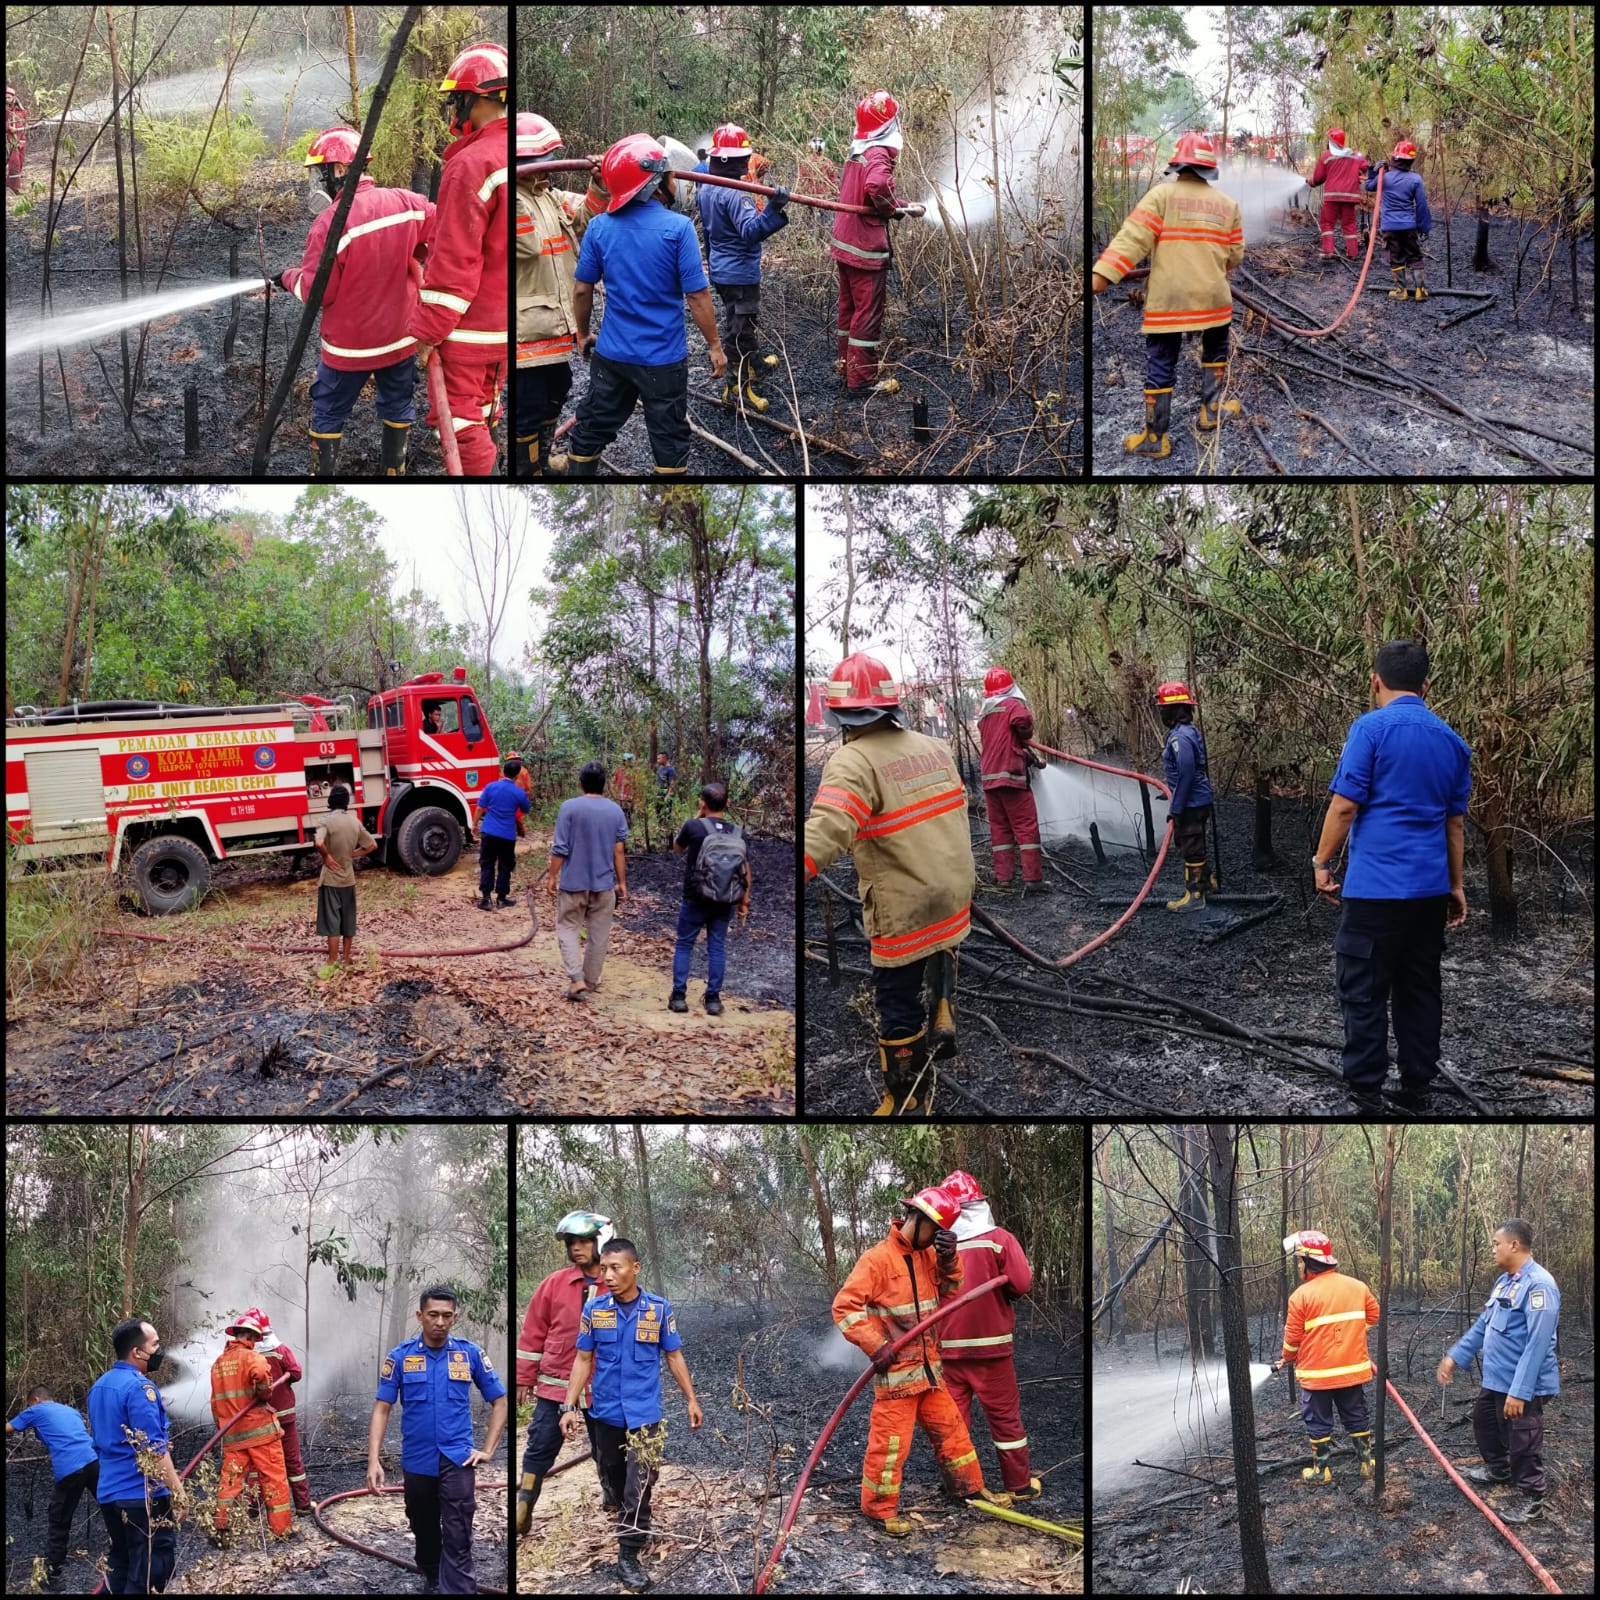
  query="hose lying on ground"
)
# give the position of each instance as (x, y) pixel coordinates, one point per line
(1062, 1530)
(1461, 1483)
(372, 1550)
(849, 1400)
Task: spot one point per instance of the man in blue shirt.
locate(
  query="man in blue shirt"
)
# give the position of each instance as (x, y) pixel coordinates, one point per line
(1400, 793)
(432, 1376)
(621, 1339)
(126, 1415)
(73, 1465)
(1517, 1334)
(495, 815)
(589, 878)
(649, 259)
(1183, 760)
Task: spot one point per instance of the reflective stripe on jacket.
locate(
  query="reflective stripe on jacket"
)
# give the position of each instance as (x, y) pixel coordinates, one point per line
(550, 224)
(889, 1291)
(1339, 177)
(1325, 1334)
(985, 1328)
(1194, 235)
(895, 799)
(1005, 725)
(862, 241)
(548, 1345)
(240, 1381)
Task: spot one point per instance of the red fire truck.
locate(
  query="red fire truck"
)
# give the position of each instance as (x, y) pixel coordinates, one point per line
(166, 790)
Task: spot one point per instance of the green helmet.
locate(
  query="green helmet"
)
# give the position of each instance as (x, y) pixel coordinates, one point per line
(586, 1225)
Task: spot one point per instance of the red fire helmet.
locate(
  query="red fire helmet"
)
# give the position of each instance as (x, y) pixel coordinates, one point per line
(480, 69)
(336, 144)
(1194, 150)
(1336, 137)
(1405, 151)
(1311, 1246)
(934, 1203)
(535, 136)
(1174, 694)
(730, 140)
(631, 168)
(962, 1187)
(247, 1323)
(861, 680)
(997, 680)
(875, 113)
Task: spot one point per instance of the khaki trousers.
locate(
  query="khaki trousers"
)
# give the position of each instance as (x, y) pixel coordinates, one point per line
(590, 909)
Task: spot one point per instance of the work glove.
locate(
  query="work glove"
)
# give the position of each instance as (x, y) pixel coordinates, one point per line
(882, 1360)
(780, 197)
(278, 282)
(944, 1246)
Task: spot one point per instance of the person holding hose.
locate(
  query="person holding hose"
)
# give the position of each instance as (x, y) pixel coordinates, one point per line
(285, 1371)
(1516, 1332)
(1005, 727)
(893, 1287)
(1338, 174)
(1403, 219)
(461, 310)
(252, 1448)
(1183, 762)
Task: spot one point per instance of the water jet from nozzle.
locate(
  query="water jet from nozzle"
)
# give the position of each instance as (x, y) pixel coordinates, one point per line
(26, 337)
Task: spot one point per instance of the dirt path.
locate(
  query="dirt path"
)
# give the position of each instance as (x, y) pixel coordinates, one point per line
(271, 1034)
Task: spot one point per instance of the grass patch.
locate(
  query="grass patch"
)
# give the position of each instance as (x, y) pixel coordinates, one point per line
(52, 920)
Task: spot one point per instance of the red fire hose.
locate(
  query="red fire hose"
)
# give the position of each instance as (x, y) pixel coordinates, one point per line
(1372, 240)
(582, 164)
(441, 409)
(1461, 1483)
(372, 1550)
(844, 1405)
(797, 199)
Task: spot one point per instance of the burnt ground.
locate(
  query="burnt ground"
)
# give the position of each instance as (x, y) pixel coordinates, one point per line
(180, 350)
(334, 1445)
(982, 420)
(1536, 367)
(203, 1025)
(713, 1509)
(1425, 1538)
(1507, 1005)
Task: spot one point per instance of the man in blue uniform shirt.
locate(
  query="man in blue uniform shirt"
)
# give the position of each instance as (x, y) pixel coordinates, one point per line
(73, 1465)
(1517, 1334)
(621, 1340)
(125, 1415)
(1400, 793)
(432, 1377)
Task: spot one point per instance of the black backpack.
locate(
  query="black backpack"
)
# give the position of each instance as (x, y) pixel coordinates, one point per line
(721, 873)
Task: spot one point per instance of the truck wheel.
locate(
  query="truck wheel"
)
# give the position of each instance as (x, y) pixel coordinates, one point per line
(171, 874)
(430, 841)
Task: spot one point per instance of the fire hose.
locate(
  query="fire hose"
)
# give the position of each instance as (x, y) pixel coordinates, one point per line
(1461, 1483)
(372, 1550)
(441, 409)
(849, 1400)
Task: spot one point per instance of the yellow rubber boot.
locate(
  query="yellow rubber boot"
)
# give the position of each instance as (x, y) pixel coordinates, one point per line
(1213, 377)
(1363, 1444)
(900, 1061)
(1194, 889)
(896, 1527)
(1152, 440)
(1399, 292)
(1319, 1471)
(990, 1497)
(769, 361)
(1421, 291)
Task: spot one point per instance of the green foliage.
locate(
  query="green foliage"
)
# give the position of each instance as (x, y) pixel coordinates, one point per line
(170, 149)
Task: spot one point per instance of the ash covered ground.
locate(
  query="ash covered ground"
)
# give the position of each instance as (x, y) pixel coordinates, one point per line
(716, 1497)
(1535, 368)
(333, 1442)
(1425, 1538)
(183, 349)
(1506, 1005)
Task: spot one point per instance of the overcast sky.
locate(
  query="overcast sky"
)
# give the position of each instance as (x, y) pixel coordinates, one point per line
(1204, 64)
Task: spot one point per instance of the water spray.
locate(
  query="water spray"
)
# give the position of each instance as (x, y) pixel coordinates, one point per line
(80, 327)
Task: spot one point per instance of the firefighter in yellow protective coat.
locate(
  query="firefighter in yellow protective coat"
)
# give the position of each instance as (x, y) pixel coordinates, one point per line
(550, 224)
(1194, 236)
(895, 799)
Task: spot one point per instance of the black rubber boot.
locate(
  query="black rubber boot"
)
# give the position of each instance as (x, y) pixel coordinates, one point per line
(1415, 1098)
(1363, 1444)
(1486, 1476)
(942, 996)
(1369, 1102)
(1529, 1509)
(582, 466)
(527, 1499)
(1152, 440)
(1213, 375)
(1194, 888)
(325, 455)
(430, 1581)
(395, 437)
(1319, 1471)
(554, 465)
(630, 1571)
(1399, 292)
(901, 1062)
(528, 460)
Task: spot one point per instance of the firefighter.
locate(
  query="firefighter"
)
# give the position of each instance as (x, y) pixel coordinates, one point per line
(461, 311)
(1338, 174)
(432, 1376)
(1325, 1341)
(860, 244)
(550, 224)
(1005, 727)
(547, 1349)
(895, 799)
(1194, 239)
(1516, 1332)
(818, 175)
(366, 307)
(734, 229)
(872, 1310)
(1183, 759)
(252, 1448)
(285, 1371)
(649, 258)
(978, 1339)
(1403, 219)
(16, 140)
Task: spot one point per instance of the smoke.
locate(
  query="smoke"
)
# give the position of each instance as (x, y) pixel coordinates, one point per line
(26, 335)
(834, 1353)
(1262, 190)
(1069, 798)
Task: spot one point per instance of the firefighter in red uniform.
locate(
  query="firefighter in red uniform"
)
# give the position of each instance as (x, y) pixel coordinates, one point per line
(860, 246)
(285, 1370)
(1338, 174)
(367, 306)
(977, 1339)
(465, 290)
(16, 140)
(1005, 725)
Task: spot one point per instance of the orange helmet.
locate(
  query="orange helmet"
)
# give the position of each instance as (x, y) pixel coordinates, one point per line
(997, 680)
(1174, 694)
(861, 681)
(1194, 150)
(1310, 1246)
(1405, 151)
(730, 140)
(632, 168)
(962, 1187)
(535, 136)
(935, 1204)
(876, 113)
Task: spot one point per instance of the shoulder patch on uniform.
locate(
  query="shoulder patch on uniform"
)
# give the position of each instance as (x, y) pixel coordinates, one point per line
(388, 1366)
(149, 1391)
(1536, 1299)
(488, 1365)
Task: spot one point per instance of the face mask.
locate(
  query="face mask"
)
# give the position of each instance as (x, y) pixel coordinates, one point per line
(154, 1360)
(330, 180)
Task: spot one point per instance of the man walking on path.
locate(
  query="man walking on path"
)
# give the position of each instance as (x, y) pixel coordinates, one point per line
(589, 877)
(716, 880)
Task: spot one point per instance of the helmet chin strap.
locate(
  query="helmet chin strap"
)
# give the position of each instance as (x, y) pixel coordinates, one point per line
(460, 101)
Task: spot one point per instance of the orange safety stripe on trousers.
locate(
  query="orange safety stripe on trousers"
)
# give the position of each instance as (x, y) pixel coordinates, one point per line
(843, 800)
(936, 807)
(902, 944)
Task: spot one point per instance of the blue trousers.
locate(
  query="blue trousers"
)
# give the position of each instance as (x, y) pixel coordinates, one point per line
(693, 915)
(333, 394)
(1161, 354)
(141, 1558)
(1318, 1405)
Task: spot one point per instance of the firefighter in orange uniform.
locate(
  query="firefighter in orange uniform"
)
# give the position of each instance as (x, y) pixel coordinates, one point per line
(285, 1370)
(252, 1448)
(872, 1310)
(1325, 1341)
(895, 799)
(462, 312)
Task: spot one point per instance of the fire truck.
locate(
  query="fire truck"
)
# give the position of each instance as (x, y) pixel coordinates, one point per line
(165, 791)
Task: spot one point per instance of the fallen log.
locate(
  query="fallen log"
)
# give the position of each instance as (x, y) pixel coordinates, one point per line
(783, 427)
(1560, 1074)
(373, 1079)
(1467, 315)
(1244, 922)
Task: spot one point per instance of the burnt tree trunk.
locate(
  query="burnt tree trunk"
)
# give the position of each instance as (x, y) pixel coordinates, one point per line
(1480, 250)
(1192, 1210)
(642, 1161)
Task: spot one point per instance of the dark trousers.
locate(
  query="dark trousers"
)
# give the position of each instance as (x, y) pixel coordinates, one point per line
(538, 394)
(1189, 828)
(1386, 962)
(144, 1545)
(629, 1480)
(902, 1008)
(614, 388)
(334, 394)
(1161, 354)
(741, 305)
(693, 915)
(1317, 1407)
(544, 1437)
(64, 1498)
(1403, 247)
(496, 857)
(439, 1510)
(1514, 1441)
